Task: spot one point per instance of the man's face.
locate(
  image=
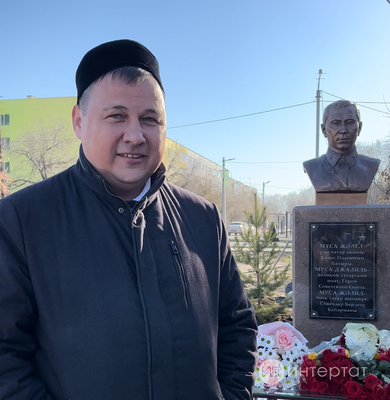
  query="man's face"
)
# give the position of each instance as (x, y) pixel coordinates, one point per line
(341, 128)
(123, 132)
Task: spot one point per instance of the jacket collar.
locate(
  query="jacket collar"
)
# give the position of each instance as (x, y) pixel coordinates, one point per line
(90, 177)
(350, 158)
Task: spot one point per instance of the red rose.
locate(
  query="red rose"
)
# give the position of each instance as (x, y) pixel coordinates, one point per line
(342, 340)
(337, 359)
(387, 388)
(326, 354)
(337, 364)
(334, 388)
(367, 394)
(379, 393)
(304, 385)
(367, 391)
(323, 387)
(339, 380)
(352, 389)
(314, 386)
(308, 370)
(346, 365)
(371, 381)
(384, 356)
(335, 369)
(339, 375)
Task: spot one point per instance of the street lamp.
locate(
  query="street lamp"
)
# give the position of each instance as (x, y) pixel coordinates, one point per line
(264, 183)
(223, 189)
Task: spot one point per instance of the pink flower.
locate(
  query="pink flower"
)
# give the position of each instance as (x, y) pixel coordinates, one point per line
(273, 327)
(270, 366)
(341, 351)
(284, 339)
(272, 381)
(271, 371)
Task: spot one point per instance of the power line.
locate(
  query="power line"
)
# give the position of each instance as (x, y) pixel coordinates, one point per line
(265, 162)
(279, 109)
(240, 116)
(270, 186)
(363, 102)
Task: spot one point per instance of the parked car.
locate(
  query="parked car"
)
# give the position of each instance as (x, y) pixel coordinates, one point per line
(236, 227)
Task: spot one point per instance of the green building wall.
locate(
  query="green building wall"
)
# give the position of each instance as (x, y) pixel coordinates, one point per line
(24, 113)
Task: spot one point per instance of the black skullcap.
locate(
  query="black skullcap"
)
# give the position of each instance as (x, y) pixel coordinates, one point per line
(112, 55)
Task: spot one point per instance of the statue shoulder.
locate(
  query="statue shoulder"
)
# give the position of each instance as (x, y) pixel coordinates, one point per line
(370, 161)
(313, 163)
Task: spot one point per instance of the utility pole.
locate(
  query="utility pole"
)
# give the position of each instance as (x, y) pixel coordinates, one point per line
(318, 97)
(263, 200)
(263, 197)
(223, 189)
(286, 223)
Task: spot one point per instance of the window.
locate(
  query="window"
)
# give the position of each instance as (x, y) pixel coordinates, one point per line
(5, 143)
(5, 119)
(6, 167)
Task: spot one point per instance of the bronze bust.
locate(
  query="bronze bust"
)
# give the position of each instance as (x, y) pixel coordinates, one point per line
(341, 169)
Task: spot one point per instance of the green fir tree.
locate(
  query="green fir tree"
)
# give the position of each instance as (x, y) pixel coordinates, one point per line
(257, 248)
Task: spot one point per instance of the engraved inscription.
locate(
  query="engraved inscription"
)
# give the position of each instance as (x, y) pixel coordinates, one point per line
(342, 271)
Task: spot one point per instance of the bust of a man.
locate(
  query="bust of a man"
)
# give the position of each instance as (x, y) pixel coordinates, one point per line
(341, 169)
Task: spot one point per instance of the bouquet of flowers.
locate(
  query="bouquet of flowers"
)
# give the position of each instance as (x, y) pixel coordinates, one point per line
(281, 349)
(357, 367)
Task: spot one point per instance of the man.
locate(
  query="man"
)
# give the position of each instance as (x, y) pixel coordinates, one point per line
(115, 284)
(341, 169)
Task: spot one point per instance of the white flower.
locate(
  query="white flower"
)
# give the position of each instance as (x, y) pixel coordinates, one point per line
(289, 382)
(385, 339)
(272, 353)
(298, 345)
(262, 354)
(258, 381)
(289, 357)
(362, 341)
(267, 341)
(299, 358)
(294, 372)
(286, 367)
(270, 347)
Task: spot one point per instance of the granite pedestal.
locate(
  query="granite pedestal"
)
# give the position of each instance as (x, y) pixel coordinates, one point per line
(317, 330)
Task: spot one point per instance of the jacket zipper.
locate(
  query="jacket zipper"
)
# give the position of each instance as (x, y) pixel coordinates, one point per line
(180, 270)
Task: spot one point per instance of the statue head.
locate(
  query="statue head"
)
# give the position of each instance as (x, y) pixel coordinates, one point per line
(341, 125)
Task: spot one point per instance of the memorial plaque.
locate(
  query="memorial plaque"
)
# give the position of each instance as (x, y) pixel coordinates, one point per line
(343, 270)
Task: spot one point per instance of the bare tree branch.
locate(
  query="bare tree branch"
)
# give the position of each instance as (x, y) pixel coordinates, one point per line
(43, 150)
(5, 183)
